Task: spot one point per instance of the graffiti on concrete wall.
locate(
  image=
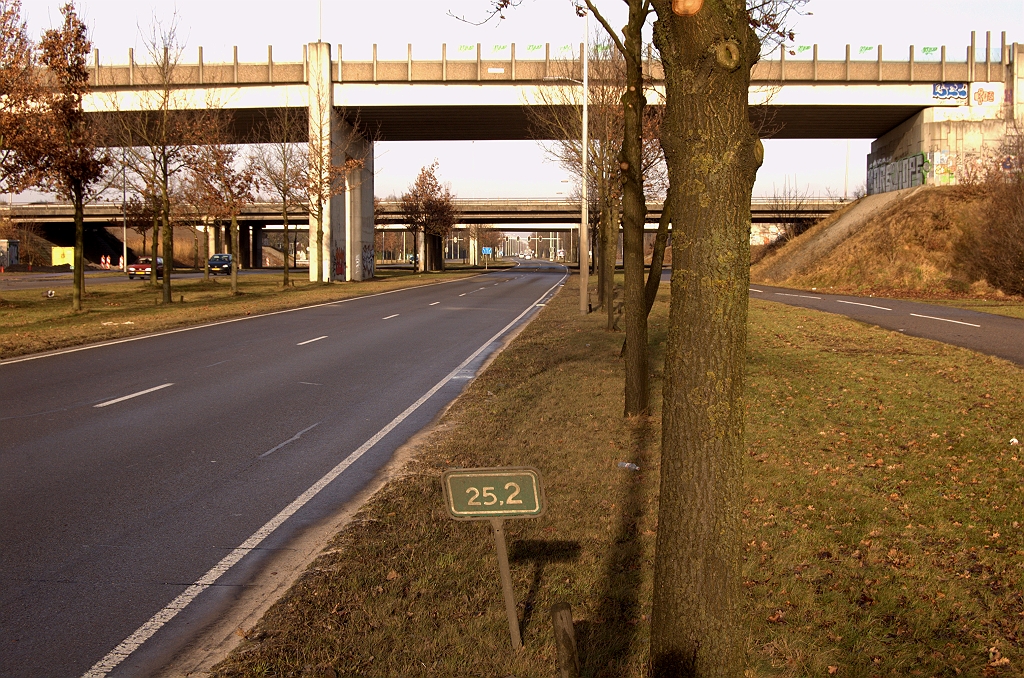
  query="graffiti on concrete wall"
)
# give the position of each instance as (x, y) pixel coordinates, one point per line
(368, 262)
(885, 175)
(950, 90)
(339, 263)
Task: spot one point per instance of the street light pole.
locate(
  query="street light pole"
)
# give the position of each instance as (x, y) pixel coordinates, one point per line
(584, 206)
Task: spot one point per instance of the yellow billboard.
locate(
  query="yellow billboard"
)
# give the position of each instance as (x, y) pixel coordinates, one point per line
(63, 255)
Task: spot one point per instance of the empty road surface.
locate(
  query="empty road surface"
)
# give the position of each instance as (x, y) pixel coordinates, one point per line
(143, 482)
(987, 333)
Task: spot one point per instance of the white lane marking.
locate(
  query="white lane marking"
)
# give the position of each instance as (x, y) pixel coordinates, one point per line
(753, 290)
(434, 304)
(855, 303)
(157, 621)
(801, 296)
(463, 294)
(290, 440)
(310, 341)
(310, 383)
(394, 315)
(215, 364)
(101, 344)
(134, 395)
(931, 317)
(540, 304)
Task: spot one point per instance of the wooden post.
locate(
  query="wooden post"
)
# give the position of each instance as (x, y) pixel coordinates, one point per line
(565, 641)
(506, 582)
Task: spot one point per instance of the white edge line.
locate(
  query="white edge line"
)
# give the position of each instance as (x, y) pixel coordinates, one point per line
(135, 395)
(157, 621)
(931, 317)
(140, 337)
(310, 341)
(394, 315)
(855, 303)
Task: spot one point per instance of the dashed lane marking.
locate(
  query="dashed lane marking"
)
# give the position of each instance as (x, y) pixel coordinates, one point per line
(799, 296)
(856, 303)
(393, 315)
(434, 304)
(134, 395)
(946, 320)
(310, 341)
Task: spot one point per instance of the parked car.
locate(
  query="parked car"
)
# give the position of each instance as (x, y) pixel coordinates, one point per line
(144, 266)
(220, 263)
(414, 259)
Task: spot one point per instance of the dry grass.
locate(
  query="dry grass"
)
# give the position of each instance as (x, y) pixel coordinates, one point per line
(30, 322)
(882, 533)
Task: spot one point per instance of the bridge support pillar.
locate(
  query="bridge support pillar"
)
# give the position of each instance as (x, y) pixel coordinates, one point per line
(474, 249)
(344, 158)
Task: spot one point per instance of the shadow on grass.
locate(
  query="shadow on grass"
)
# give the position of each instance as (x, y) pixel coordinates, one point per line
(607, 641)
(540, 552)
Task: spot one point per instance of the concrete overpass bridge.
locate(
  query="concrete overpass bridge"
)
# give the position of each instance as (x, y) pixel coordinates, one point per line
(487, 98)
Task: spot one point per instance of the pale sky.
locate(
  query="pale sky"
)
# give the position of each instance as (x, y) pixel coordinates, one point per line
(519, 169)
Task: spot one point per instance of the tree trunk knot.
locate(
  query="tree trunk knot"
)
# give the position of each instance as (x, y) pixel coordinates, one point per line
(727, 54)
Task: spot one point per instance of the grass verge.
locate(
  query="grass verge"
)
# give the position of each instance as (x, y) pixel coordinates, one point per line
(30, 322)
(881, 517)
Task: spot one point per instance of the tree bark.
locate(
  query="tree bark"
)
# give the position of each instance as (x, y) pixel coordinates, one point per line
(610, 246)
(206, 250)
(79, 257)
(168, 249)
(235, 259)
(284, 247)
(658, 257)
(712, 156)
(634, 217)
(155, 245)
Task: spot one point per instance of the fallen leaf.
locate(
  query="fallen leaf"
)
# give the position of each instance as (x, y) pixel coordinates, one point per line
(392, 575)
(776, 618)
(832, 670)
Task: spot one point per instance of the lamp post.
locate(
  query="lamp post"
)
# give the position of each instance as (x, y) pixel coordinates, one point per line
(584, 206)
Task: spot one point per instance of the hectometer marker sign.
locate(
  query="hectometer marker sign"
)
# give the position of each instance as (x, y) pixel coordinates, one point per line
(496, 494)
(483, 493)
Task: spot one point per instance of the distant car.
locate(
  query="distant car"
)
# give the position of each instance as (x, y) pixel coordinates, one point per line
(144, 266)
(414, 259)
(220, 263)
(527, 256)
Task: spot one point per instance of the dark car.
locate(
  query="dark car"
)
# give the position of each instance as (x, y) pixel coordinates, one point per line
(220, 263)
(144, 266)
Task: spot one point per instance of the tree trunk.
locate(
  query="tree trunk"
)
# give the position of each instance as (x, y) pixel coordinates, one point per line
(155, 245)
(634, 217)
(712, 156)
(79, 257)
(284, 247)
(168, 251)
(206, 250)
(234, 257)
(319, 240)
(658, 257)
(610, 246)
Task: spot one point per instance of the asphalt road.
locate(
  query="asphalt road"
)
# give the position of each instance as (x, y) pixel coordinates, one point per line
(986, 333)
(143, 482)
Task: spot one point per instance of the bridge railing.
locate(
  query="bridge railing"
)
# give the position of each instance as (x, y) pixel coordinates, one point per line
(939, 66)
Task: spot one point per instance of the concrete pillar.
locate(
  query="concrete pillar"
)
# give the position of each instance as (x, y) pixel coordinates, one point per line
(211, 239)
(474, 249)
(346, 252)
(257, 245)
(245, 246)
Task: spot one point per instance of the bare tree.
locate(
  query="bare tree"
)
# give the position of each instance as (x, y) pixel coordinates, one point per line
(72, 161)
(159, 135)
(429, 211)
(223, 186)
(713, 154)
(19, 91)
(281, 164)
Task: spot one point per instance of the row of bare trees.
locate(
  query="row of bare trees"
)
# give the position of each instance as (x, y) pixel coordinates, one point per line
(712, 154)
(176, 158)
